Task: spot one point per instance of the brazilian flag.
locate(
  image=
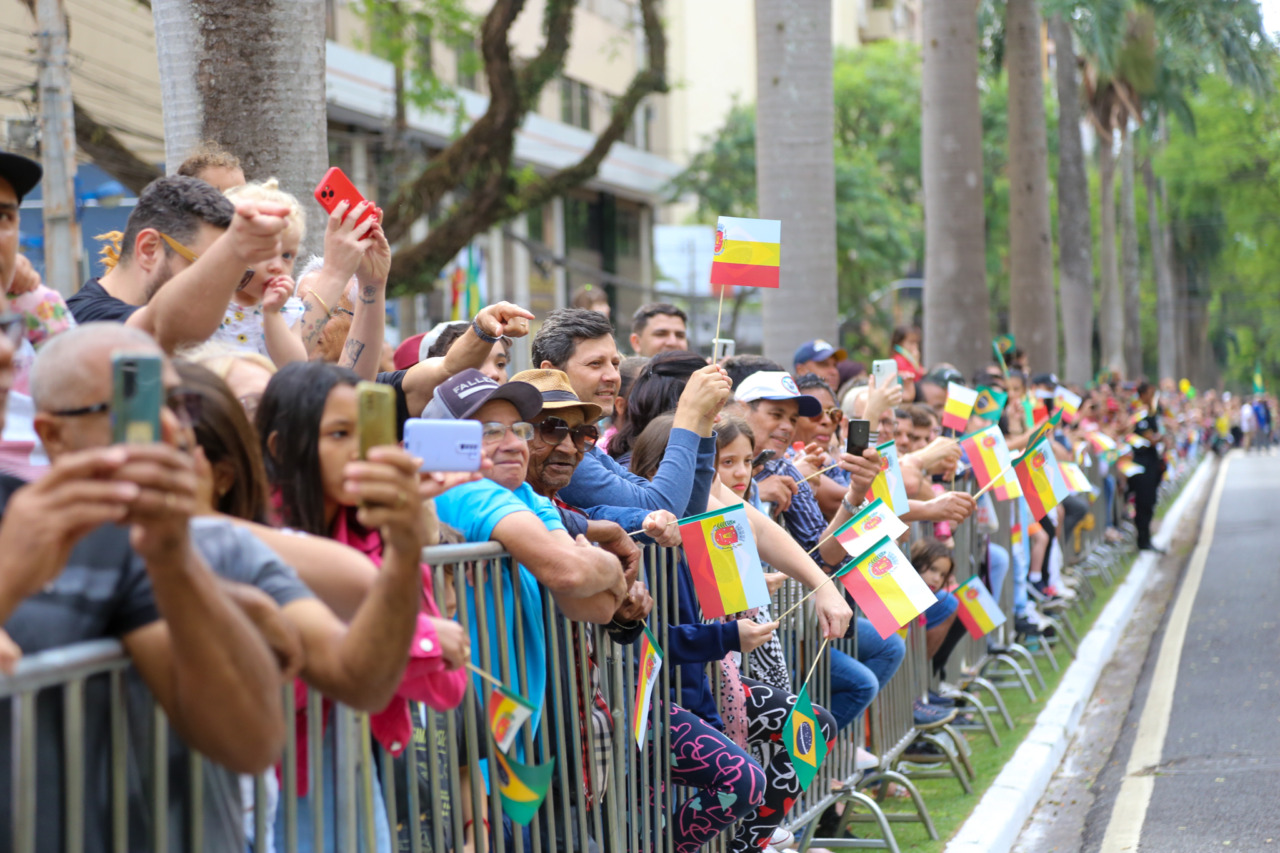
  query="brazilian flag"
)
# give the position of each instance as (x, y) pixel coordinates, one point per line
(1257, 378)
(523, 787)
(990, 403)
(803, 738)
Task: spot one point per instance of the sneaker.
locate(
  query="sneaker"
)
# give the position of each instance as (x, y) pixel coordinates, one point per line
(864, 760)
(783, 839)
(923, 752)
(941, 701)
(1025, 627)
(927, 716)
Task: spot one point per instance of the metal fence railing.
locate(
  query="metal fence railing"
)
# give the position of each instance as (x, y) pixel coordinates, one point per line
(118, 775)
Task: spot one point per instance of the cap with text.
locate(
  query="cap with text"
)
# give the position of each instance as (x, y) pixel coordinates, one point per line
(776, 385)
(461, 396)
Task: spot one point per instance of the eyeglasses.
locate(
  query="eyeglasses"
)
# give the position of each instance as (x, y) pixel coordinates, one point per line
(185, 405)
(493, 431)
(192, 257)
(553, 431)
(12, 326)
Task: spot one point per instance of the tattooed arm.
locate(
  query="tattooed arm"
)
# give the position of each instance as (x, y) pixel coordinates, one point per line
(363, 348)
(344, 248)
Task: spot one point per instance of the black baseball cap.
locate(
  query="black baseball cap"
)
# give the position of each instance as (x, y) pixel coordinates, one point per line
(22, 173)
(461, 396)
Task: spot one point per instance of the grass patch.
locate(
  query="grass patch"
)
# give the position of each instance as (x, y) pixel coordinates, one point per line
(947, 802)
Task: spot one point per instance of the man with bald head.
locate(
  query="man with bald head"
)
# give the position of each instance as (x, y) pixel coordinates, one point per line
(99, 548)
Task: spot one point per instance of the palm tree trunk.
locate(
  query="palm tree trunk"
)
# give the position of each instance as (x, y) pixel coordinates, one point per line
(1111, 306)
(1075, 249)
(1129, 259)
(1033, 306)
(795, 168)
(249, 75)
(957, 323)
(1165, 314)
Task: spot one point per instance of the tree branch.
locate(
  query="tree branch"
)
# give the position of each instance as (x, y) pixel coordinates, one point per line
(110, 154)
(490, 202)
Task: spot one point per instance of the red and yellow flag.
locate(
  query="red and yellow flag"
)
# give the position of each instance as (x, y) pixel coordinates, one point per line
(723, 561)
(646, 679)
(978, 609)
(1041, 479)
(959, 406)
(887, 588)
(748, 252)
(888, 485)
(989, 456)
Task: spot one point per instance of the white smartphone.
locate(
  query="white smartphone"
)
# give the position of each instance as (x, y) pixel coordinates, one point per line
(444, 445)
(884, 369)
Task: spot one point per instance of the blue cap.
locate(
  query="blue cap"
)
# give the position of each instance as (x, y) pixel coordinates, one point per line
(818, 350)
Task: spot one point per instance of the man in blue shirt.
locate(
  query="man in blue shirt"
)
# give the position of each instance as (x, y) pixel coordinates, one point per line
(580, 343)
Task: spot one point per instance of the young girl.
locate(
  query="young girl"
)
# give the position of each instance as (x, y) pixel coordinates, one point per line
(734, 443)
(264, 310)
(754, 712)
(933, 560)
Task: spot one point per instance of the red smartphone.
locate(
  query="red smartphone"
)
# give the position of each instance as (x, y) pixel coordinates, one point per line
(335, 187)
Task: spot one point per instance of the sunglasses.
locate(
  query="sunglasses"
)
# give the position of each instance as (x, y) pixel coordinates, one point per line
(835, 413)
(553, 431)
(192, 257)
(185, 405)
(12, 326)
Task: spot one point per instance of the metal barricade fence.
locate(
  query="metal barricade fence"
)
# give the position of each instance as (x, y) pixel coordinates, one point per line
(352, 780)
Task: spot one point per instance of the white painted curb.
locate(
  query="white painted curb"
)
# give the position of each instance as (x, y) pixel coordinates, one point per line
(995, 823)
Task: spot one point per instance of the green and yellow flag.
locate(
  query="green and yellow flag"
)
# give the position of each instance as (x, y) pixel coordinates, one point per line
(523, 787)
(803, 738)
(990, 403)
(1257, 378)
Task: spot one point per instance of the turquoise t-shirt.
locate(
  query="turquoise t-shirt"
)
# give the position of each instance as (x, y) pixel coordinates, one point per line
(475, 509)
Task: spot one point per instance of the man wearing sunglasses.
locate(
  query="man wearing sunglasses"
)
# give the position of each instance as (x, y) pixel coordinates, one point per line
(184, 251)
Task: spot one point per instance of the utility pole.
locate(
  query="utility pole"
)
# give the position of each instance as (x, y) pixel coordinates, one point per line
(57, 151)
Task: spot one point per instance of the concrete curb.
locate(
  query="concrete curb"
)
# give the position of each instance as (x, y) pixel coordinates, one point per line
(995, 823)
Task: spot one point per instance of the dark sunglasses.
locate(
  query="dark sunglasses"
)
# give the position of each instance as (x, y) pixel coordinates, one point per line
(553, 430)
(835, 413)
(186, 405)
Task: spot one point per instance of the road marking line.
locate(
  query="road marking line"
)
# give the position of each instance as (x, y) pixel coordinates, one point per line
(1129, 813)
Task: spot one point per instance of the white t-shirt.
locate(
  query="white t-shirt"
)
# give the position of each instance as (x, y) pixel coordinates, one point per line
(242, 327)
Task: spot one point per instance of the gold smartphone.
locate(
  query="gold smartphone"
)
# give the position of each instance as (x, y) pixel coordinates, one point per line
(376, 407)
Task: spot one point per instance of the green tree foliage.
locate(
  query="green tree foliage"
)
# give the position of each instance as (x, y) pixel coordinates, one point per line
(1224, 186)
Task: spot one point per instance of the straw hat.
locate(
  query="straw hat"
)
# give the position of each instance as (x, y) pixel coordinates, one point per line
(557, 393)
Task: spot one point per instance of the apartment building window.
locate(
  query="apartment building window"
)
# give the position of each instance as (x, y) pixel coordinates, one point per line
(575, 103)
(331, 20)
(582, 224)
(637, 133)
(628, 231)
(467, 65)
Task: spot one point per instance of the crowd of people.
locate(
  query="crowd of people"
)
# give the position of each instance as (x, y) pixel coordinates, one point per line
(252, 541)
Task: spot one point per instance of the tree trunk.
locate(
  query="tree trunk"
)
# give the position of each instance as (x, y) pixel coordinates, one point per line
(1183, 363)
(1167, 336)
(795, 168)
(249, 75)
(1075, 249)
(1130, 272)
(957, 322)
(1033, 306)
(1111, 306)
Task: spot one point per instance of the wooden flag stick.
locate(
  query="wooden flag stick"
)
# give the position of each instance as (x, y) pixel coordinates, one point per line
(486, 676)
(816, 658)
(823, 471)
(807, 596)
(720, 310)
(995, 481)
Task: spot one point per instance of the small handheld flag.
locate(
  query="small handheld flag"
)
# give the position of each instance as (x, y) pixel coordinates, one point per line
(888, 485)
(508, 711)
(960, 402)
(724, 562)
(886, 587)
(874, 522)
(522, 787)
(1066, 401)
(989, 456)
(803, 738)
(1049, 425)
(748, 252)
(1041, 479)
(1076, 479)
(990, 403)
(646, 679)
(1130, 468)
(978, 610)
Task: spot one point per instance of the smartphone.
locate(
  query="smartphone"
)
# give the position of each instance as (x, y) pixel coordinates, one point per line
(376, 415)
(859, 436)
(722, 348)
(335, 187)
(444, 445)
(136, 397)
(762, 457)
(884, 369)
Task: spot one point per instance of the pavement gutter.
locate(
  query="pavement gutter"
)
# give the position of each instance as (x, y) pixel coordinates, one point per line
(996, 821)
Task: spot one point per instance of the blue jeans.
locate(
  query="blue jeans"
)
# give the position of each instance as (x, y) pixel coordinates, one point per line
(1021, 558)
(854, 683)
(997, 568)
(941, 610)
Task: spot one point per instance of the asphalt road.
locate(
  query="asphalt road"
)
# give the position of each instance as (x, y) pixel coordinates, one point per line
(1196, 766)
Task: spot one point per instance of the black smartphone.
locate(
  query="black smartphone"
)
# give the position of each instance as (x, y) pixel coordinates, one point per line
(859, 436)
(762, 457)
